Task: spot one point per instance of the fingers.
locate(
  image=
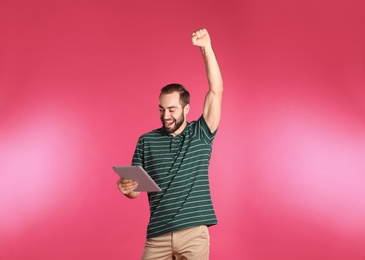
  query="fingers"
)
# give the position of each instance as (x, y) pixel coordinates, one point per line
(200, 38)
(126, 186)
(199, 33)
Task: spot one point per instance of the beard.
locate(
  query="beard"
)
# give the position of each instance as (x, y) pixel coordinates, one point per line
(178, 123)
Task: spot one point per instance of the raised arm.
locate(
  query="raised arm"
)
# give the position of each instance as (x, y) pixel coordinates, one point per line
(213, 99)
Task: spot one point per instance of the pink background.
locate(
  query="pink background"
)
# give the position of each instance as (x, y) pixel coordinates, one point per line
(80, 82)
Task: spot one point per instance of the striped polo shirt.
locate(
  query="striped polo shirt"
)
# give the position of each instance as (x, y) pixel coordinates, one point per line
(179, 165)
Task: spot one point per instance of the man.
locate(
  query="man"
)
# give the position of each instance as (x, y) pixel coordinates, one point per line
(177, 157)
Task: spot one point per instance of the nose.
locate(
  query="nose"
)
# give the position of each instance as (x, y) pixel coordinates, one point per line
(165, 114)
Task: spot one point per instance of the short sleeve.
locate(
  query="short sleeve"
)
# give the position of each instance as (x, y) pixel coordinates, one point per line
(137, 159)
(204, 131)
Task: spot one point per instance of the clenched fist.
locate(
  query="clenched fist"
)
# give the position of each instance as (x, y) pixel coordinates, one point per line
(200, 38)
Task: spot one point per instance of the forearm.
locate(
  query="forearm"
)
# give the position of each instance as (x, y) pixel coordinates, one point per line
(212, 69)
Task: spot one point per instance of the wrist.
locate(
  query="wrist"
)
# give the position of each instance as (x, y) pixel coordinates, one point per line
(207, 49)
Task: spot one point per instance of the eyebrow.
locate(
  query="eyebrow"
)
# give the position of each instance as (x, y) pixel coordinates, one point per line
(167, 107)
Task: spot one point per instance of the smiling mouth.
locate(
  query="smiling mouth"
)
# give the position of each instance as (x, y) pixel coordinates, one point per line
(168, 124)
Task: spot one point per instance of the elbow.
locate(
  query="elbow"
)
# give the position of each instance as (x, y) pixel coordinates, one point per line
(218, 89)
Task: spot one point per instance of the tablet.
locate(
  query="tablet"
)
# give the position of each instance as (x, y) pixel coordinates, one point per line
(139, 175)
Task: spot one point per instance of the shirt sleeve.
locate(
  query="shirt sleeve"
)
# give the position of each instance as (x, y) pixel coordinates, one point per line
(137, 159)
(204, 131)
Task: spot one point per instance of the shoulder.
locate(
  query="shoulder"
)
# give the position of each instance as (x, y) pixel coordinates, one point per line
(201, 123)
(152, 134)
(199, 129)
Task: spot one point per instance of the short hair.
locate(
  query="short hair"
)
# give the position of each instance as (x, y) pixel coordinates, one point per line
(175, 87)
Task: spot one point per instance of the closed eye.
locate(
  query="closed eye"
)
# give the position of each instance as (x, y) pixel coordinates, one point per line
(171, 109)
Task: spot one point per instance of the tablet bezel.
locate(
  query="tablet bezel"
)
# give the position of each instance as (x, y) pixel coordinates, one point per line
(139, 175)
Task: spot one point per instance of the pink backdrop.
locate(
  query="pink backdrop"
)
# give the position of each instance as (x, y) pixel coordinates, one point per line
(80, 81)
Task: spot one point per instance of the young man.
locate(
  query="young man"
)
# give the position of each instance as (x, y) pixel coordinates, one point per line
(177, 157)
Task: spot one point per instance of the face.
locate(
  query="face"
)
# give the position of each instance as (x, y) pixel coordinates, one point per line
(172, 114)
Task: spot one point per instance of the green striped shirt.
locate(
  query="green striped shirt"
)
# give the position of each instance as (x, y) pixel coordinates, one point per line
(179, 165)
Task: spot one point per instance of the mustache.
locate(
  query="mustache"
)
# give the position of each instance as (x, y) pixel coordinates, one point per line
(168, 120)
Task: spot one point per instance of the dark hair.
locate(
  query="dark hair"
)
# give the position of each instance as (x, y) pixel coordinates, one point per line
(174, 87)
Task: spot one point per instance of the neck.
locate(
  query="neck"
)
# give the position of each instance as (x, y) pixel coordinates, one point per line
(180, 130)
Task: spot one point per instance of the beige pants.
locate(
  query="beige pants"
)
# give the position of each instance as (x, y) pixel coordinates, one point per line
(191, 244)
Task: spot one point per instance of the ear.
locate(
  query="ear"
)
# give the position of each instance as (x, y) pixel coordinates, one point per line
(186, 109)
